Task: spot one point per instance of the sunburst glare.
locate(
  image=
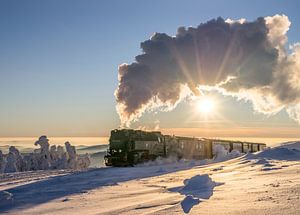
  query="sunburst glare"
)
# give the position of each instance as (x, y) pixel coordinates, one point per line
(206, 105)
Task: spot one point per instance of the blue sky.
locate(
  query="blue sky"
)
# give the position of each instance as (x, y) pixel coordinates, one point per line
(59, 61)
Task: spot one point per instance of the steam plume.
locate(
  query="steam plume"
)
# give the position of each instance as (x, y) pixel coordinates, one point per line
(245, 59)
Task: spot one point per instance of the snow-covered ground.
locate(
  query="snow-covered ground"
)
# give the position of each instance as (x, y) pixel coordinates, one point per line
(267, 182)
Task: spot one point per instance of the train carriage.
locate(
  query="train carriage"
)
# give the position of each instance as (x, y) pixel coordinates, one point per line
(128, 147)
(237, 146)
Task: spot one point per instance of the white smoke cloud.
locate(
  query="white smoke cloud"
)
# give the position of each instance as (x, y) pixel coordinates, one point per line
(244, 59)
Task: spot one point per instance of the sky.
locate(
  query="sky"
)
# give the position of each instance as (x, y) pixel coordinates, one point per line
(59, 66)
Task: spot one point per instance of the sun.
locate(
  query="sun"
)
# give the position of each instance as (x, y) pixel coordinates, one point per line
(206, 105)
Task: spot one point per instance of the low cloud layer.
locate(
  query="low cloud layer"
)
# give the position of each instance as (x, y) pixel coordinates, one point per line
(248, 60)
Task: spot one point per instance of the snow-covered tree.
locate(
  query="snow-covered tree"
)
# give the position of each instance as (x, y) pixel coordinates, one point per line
(44, 158)
(2, 162)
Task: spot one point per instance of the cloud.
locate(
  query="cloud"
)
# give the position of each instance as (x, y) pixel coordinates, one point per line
(244, 59)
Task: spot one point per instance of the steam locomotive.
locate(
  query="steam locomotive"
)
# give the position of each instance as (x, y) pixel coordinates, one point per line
(128, 147)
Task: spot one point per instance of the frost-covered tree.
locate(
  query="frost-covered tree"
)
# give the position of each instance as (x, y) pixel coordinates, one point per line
(10, 163)
(72, 157)
(44, 158)
(62, 158)
(2, 162)
(83, 161)
(20, 164)
(32, 161)
(14, 161)
(53, 157)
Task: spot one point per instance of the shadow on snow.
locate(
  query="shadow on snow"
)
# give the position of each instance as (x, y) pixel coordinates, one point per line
(195, 190)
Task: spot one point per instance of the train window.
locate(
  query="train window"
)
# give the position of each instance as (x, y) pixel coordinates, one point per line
(262, 147)
(226, 145)
(246, 147)
(254, 147)
(237, 146)
(182, 146)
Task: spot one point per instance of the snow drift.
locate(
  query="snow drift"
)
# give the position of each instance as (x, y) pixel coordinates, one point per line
(288, 151)
(221, 154)
(291, 145)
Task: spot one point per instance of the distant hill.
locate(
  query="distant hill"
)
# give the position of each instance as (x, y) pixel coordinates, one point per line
(92, 149)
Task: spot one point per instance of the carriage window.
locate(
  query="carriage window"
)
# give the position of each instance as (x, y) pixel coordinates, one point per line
(254, 147)
(246, 147)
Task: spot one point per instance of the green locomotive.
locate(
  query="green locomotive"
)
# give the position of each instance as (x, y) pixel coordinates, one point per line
(128, 147)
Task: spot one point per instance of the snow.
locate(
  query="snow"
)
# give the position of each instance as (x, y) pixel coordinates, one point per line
(279, 153)
(266, 182)
(291, 145)
(221, 154)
